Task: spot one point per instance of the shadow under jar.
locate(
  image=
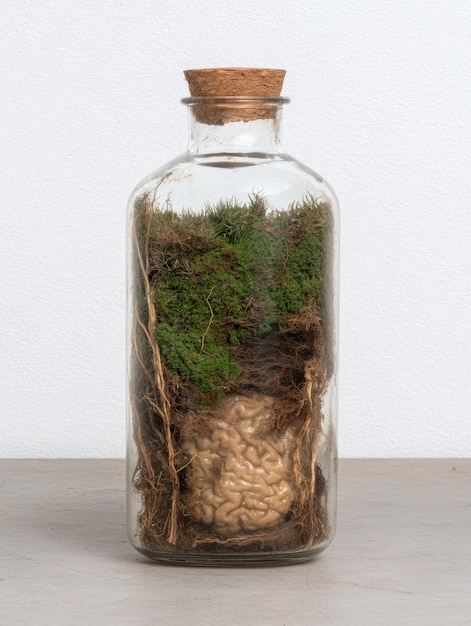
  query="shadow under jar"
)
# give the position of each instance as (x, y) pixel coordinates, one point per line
(232, 339)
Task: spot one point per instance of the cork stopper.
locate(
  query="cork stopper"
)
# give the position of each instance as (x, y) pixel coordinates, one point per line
(235, 81)
(241, 82)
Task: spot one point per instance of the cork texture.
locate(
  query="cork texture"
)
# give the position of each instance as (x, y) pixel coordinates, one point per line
(234, 82)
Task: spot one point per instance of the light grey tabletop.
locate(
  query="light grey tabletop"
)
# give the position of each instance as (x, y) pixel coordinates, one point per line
(402, 554)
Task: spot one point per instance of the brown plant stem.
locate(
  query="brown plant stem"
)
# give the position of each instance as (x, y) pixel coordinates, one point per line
(164, 406)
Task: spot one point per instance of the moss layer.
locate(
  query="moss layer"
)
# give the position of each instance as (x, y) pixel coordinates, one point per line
(228, 276)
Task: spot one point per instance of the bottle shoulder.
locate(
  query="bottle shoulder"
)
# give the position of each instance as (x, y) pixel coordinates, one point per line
(192, 181)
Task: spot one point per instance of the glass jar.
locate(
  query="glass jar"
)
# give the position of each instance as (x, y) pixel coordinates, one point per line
(232, 339)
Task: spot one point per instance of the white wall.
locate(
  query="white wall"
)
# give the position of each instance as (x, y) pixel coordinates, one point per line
(89, 104)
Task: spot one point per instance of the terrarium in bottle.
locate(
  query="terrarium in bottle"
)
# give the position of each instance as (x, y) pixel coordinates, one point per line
(232, 338)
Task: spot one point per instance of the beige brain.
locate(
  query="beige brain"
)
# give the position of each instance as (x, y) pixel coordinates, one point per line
(240, 476)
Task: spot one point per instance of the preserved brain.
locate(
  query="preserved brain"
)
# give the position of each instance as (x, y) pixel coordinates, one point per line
(240, 472)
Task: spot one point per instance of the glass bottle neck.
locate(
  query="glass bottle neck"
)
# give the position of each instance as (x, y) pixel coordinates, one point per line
(236, 126)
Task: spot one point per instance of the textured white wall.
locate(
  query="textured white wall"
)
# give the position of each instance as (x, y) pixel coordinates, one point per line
(89, 104)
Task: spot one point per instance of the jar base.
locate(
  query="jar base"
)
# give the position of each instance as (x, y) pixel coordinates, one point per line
(235, 560)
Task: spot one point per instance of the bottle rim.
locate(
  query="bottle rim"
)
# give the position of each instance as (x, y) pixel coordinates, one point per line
(226, 100)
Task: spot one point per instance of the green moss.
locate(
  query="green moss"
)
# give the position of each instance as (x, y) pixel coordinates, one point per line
(226, 276)
(303, 275)
(182, 353)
